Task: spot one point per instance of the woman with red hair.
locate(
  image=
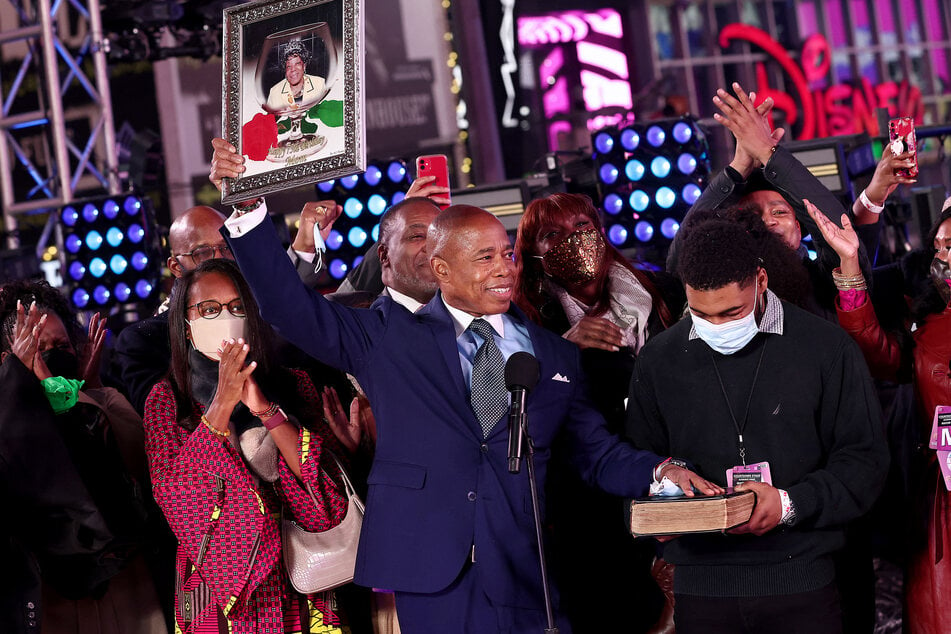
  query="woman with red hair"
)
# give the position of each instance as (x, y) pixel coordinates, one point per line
(573, 282)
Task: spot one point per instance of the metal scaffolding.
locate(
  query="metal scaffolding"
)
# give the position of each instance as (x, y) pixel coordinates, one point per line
(59, 41)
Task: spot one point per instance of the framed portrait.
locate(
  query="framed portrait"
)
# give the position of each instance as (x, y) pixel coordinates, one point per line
(292, 93)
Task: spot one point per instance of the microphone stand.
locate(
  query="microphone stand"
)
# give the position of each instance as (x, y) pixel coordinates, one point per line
(546, 588)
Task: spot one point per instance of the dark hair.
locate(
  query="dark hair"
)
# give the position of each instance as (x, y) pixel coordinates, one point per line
(715, 252)
(529, 292)
(788, 276)
(270, 376)
(917, 266)
(47, 299)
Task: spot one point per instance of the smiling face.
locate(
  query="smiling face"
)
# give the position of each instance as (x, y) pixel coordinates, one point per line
(474, 266)
(403, 257)
(294, 70)
(778, 214)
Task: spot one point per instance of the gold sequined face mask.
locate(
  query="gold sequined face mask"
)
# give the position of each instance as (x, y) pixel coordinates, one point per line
(577, 259)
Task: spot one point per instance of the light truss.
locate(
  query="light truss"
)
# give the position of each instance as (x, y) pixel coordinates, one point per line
(52, 88)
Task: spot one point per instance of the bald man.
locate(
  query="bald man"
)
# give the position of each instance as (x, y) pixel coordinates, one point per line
(447, 526)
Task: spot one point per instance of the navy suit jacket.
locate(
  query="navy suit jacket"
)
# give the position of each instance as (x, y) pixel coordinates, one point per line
(436, 487)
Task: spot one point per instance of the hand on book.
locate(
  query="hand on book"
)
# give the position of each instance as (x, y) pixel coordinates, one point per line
(688, 481)
(768, 511)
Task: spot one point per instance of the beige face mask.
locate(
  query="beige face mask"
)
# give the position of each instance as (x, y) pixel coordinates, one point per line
(207, 334)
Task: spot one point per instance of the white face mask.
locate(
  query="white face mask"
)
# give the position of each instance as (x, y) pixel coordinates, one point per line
(730, 336)
(207, 334)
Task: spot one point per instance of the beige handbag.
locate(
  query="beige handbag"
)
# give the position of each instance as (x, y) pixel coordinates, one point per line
(321, 561)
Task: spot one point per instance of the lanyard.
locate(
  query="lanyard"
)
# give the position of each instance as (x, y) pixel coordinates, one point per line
(736, 425)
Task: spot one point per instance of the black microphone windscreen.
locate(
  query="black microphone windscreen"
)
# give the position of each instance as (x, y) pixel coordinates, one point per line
(521, 370)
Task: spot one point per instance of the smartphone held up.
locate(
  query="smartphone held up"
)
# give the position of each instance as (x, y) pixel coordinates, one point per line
(901, 137)
(435, 165)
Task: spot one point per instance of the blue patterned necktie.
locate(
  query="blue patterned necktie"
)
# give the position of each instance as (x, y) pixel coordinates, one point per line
(489, 397)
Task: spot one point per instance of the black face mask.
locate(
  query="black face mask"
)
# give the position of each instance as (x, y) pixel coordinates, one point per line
(940, 275)
(61, 363)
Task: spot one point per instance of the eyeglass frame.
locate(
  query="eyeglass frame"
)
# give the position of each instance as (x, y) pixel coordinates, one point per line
(219, 248)
(221, 308)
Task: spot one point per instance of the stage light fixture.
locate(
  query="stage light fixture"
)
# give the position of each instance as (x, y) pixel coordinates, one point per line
(630, 139)
(669, 228)
(608, 174)
(365, 198)
(613, 204)
(373, 175)
(338, 269)
(617, 234)
(69, 216)
(665, 163)
(656, 135)
(109, 252)
(603, 143)
(634, 170)
(660, 167)
(334, 240)
(110, 209)
(376, 204)
(644, 231)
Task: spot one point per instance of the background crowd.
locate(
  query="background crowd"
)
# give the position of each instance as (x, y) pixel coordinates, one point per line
(154, 504)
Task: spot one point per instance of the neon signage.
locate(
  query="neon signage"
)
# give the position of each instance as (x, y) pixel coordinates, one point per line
(598, 40)
(825, 110)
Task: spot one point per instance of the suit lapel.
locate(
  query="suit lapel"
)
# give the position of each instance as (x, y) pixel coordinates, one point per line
(440, 322)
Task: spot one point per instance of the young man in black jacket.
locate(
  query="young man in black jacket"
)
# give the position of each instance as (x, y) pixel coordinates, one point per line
(751, 380)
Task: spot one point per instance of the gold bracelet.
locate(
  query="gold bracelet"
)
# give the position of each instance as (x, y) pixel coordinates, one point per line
(216, 432)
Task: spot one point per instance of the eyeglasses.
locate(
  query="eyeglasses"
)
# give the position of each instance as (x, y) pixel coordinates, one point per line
(201, 254)
(209, 309)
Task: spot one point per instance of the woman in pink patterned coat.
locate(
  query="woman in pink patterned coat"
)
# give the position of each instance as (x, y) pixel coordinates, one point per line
(231, 439)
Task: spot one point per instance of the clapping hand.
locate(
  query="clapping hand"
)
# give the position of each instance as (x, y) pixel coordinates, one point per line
(232, 372)
(843, 240)
(348, 430)
(24, 342)
(92, 353)
(755, 138)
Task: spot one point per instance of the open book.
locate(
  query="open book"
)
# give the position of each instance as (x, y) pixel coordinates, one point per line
(700, 514)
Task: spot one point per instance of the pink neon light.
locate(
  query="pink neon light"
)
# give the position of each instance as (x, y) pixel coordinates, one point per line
(599, 56)
(556, 100)
(606, 22)
(601, 92)
(568, 26)
(551, 65)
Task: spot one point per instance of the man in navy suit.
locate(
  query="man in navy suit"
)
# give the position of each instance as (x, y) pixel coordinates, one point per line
(447, 526)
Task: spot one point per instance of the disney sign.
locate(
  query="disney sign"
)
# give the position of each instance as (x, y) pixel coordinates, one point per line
(846, 108)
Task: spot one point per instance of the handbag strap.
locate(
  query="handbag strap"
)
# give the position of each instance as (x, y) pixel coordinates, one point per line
(350, 493)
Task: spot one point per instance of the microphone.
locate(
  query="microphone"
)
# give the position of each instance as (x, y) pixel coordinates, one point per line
(521, 377)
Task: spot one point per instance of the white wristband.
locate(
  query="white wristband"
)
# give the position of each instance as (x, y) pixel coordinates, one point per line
(875, 209)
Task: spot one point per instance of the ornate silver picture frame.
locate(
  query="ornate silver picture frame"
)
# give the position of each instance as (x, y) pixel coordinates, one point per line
(292, 93)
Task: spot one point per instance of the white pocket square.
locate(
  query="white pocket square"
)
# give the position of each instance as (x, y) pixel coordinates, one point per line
(559, 377)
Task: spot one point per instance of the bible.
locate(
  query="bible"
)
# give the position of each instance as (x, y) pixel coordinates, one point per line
(656, 516)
